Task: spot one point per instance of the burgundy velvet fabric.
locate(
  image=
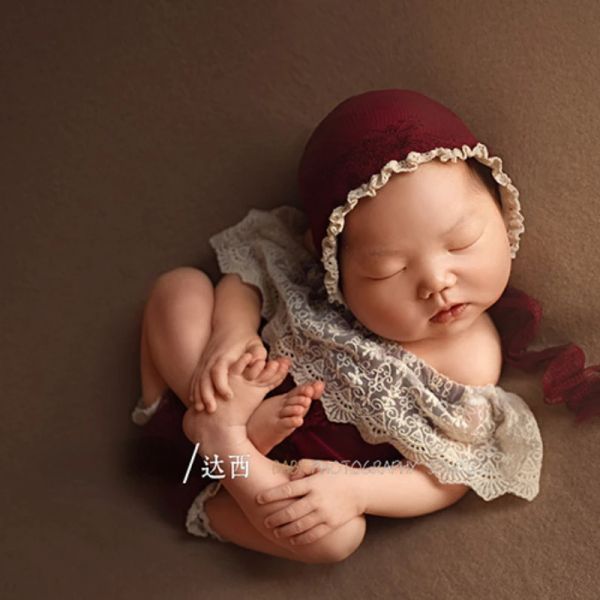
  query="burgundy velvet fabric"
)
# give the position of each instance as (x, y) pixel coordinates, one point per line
(363, 133)
(565, 379)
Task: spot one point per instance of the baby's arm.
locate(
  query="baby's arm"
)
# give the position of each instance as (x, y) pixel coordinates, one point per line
(388, 492)
(403, 491)
(330, 496)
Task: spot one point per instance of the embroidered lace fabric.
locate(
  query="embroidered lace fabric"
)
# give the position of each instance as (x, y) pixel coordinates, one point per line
(197, 521)
(141, 414)
(480, 436)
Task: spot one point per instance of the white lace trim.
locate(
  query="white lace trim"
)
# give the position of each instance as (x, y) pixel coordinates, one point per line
(483, 437)
(141, 414)
(197, 521)
(511, 206)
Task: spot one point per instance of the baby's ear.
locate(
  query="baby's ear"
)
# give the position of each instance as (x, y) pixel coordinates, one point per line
(308, 243)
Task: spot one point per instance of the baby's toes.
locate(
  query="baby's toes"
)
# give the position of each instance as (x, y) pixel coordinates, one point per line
(253, 371)
(241, 364)
(269, 370)
(292, 415)
(318, 388)
(312, 390)
(297, 408)
(282, 371)
(302, 391)
(275, 372)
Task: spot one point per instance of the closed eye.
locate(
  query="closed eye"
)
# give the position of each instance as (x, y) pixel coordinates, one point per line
(387, 276)
(465, 247)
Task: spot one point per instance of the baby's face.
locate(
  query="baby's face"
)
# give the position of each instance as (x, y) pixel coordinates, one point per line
(401, 259)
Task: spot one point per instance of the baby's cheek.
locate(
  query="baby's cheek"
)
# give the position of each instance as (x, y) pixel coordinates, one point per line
(502, 259)
(382, 312)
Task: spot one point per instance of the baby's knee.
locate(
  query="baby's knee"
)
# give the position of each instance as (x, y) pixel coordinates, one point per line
(180, 283)
(336, 546)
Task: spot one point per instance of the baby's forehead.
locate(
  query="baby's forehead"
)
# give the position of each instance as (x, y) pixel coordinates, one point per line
(435, 196)
(370, 219)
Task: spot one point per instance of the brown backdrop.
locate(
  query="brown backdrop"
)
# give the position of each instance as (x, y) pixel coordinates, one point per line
(131, 131)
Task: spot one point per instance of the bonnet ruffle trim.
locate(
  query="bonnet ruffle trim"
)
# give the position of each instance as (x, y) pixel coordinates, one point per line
(511, 206)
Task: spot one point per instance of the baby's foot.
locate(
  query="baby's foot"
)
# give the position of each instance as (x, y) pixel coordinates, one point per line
(249, 384)
(276, 417)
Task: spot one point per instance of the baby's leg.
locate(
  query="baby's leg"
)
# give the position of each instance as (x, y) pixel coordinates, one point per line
(231, 523)
(153, 385)
(177, 326)
(240, 520)
(223, 436)
(175, 330)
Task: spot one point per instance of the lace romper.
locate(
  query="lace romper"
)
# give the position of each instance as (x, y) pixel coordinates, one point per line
(381, 402)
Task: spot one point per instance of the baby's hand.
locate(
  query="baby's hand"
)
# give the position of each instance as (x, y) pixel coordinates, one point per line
(326, 497)
(250, 384)
(210, 377)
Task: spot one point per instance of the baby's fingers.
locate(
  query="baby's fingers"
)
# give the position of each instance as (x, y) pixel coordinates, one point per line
(194, 398)
(241, 363)
(255, 369)
(220, 380)
(207, 394)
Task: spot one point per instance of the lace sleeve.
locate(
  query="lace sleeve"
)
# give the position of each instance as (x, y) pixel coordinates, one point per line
(252, 247)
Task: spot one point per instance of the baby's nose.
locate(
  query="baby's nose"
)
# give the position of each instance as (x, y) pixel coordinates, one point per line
(434, 280)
